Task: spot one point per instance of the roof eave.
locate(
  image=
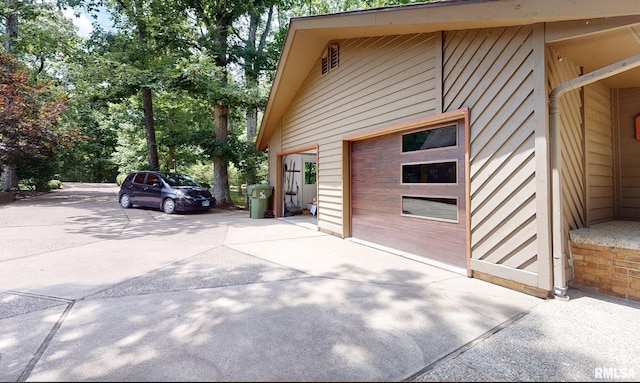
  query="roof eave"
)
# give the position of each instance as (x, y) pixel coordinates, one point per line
(307, 36)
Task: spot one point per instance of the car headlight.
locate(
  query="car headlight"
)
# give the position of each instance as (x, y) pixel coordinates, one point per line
(180, 193)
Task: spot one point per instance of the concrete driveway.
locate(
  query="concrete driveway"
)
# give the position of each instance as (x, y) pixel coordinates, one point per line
(93, 292)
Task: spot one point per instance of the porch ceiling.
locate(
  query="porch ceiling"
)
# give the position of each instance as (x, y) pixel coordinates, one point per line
(596, 50)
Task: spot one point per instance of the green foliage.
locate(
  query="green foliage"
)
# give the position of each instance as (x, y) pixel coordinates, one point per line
(194, 55)
(120, 178)
(201, 172)
(36, 173)
(46, 41)
(54, 184)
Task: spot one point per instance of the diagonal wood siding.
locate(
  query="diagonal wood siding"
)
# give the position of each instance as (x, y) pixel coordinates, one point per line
(381, 81)
(561, 69)
(491, 72)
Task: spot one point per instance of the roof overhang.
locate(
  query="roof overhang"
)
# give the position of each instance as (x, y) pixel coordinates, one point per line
(308, 36)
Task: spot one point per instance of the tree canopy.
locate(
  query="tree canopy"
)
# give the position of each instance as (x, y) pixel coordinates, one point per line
(171, 84)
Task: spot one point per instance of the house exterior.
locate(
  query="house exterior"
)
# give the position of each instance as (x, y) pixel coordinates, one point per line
(474, 135)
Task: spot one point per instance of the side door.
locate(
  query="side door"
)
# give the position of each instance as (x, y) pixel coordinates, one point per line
(135, 189)
(152, 191)
(309, 187)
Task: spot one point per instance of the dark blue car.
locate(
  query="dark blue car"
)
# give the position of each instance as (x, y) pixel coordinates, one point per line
(169, 192)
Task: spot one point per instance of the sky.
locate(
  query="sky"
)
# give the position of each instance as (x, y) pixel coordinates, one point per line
(83, 23)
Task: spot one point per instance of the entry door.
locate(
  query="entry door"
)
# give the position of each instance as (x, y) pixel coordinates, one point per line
(408, 192)
(309, 187)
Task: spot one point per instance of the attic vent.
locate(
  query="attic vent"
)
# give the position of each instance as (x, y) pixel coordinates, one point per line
(330, 58)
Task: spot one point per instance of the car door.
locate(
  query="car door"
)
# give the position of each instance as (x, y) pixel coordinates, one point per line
(152, 190)
(136, 189)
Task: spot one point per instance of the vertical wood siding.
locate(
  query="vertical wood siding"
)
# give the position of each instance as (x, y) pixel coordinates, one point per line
(598, 154)
(491, 72)
(571, 126)
(629, 108)
(381, 81)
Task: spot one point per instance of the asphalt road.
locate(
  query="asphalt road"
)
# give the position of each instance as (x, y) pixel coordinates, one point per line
(93, 292)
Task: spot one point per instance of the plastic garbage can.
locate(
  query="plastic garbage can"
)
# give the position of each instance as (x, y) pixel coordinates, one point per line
(259, 195)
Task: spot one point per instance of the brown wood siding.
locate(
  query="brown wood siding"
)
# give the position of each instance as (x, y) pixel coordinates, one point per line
(571, 126)
(629, 109)
(491, 71)
(380, 81)
(600, 196)
(376, 199)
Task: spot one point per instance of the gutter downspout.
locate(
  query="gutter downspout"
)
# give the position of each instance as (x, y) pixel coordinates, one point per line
(559, 273)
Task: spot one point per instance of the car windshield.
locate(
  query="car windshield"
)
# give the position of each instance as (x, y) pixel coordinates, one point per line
(176, 179)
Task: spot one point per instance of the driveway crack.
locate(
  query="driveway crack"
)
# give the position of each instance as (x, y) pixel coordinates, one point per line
(36, 357)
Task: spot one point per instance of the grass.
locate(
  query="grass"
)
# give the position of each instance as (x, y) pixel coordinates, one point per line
(238, 199)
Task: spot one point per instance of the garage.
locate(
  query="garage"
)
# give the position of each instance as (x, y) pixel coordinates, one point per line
(408, 192)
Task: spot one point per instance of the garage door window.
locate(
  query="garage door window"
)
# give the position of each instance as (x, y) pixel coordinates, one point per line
(438, 208)
(442, 137)
(430, 173)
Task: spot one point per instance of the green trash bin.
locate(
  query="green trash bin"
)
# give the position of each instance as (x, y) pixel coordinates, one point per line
(259, 195)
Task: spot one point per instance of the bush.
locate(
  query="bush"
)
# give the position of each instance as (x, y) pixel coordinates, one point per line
(54, 184)
(120, 178)
(36, 174)
(201, 172)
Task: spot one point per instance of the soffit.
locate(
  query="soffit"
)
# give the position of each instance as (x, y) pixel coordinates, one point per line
(597, 50)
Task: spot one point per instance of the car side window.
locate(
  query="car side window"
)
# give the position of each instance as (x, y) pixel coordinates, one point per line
(139, 178)
(152, 178)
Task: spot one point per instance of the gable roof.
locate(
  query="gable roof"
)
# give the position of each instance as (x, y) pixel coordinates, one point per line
(308, 36)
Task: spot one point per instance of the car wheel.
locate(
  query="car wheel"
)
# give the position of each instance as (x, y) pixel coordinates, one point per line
(125, 201)
(169, 206)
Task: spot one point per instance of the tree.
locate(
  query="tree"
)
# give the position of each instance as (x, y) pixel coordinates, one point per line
(136, 14)
(28, 120)
(211, 41)
(255, 62)
(45, 41)
(8, 176)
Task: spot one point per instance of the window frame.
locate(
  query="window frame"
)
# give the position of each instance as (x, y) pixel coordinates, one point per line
(135, 178)
(457, 206)
(402, 183)
(422, 129)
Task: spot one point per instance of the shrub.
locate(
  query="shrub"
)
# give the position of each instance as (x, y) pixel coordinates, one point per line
(54, 184)
(120, 178)
(35, 175)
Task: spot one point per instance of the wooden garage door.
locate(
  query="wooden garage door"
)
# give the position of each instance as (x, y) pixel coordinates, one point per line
(408, 192)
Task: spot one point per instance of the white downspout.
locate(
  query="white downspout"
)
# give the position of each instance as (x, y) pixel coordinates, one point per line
(559, 276)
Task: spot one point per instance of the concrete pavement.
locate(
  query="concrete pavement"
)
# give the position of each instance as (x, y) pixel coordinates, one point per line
(93, 292)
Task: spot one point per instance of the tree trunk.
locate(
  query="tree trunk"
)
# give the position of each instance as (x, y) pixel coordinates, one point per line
(251, 76)
(147, 101)
(150, 129)
(252, 123)
(221, 189)
(172, 159)
(252, 68)
(9, 176)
